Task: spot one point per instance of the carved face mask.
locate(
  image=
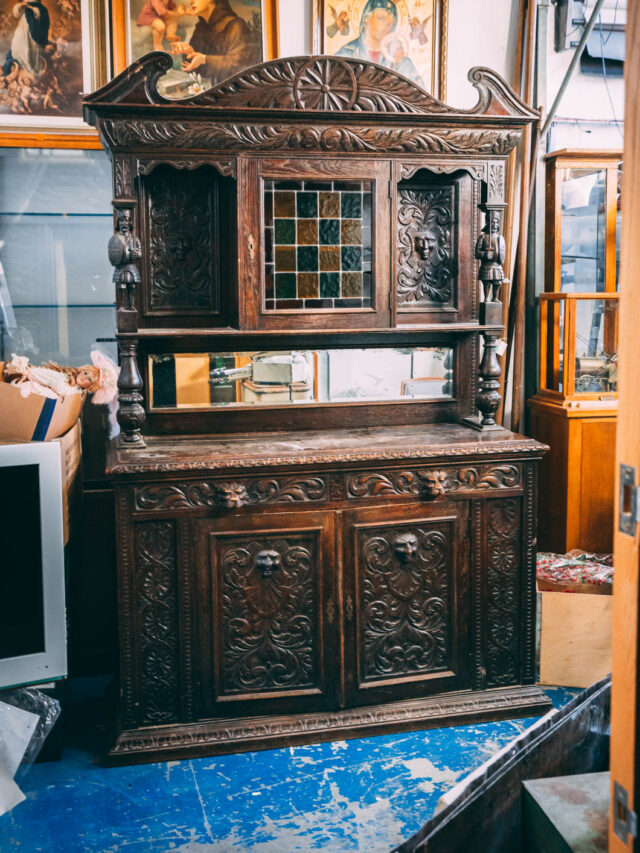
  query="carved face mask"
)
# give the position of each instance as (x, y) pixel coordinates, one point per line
(405, 547)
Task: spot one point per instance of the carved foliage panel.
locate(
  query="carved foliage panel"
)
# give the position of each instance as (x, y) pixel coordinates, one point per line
(405, 599)
(504, 559)
(182, 240)
(268, 587)
(157, 606)
(427, 245)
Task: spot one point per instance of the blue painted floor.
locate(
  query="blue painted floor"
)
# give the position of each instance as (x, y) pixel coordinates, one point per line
(358, 795)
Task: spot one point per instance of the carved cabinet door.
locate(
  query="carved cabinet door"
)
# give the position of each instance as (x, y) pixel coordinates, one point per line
(405, 575)
(268, 619)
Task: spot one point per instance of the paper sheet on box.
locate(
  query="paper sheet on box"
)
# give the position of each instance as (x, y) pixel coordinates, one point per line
(16, 730)
(10, 794)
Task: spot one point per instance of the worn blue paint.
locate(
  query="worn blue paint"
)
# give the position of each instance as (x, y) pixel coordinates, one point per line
(359, 795)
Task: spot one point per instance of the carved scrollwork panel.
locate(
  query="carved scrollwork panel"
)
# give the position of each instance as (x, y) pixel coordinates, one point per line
(405, 600)
(430, 482)
(182, 247)
(231, 494)
(157, 605)
(268, 592)
(504, 532)
(426, 246)
(316, 137)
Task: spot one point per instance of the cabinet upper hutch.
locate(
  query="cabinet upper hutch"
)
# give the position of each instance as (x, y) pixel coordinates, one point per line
(321, 529)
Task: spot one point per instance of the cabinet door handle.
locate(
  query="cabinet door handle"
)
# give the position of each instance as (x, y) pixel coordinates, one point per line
(349, 607)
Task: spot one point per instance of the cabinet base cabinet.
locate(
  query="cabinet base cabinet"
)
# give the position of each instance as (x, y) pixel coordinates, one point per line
(322, 596)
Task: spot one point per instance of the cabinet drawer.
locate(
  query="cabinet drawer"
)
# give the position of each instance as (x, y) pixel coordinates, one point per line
(406, 601)
(268, 613)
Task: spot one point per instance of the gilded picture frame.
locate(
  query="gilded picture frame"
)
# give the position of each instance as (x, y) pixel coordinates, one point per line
(408, 36)
(136, 30)
(52, 51)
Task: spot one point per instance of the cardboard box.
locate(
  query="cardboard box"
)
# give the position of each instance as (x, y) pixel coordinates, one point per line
(70, 458)
(575, 638)
(35, 418)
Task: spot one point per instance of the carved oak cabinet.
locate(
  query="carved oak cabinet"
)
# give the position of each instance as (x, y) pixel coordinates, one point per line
(321, 531)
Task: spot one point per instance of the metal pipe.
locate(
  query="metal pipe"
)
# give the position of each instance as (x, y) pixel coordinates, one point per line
(572, 67)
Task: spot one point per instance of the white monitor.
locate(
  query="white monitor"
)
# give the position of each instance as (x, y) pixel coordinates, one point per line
(32, 603)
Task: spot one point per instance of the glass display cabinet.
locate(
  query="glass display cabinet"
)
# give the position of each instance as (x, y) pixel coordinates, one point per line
(574, 410)
(321, 530)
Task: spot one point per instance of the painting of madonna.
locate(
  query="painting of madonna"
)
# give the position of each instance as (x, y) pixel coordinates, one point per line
(403, 35)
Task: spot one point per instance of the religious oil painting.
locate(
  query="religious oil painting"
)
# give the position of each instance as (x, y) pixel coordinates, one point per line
(407, 36)
(209, 40)
(48, 59)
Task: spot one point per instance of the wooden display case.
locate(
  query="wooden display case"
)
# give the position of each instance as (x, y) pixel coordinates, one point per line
(574, 410)
(321, 530)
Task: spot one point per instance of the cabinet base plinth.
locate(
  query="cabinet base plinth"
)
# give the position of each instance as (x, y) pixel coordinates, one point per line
(247, 734)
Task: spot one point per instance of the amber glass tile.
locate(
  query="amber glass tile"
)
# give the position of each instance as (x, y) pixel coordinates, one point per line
(329, 205)
(285, 204)
(330, 232)
(307, 258)
(329, 284)
(307, 232)
(329, 258)
(285, 258)
(351, 258)
(286, 285)
(351, 232)
(352, 284)
(307, 285)
(285, 232)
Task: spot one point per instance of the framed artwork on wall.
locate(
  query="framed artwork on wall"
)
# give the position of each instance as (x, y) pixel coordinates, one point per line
(408, 36)
(210, 40)
(51, 52)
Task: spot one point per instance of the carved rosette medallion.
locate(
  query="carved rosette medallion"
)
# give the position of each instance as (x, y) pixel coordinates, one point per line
(425, 275)
(269, 589)
(325, 84)
(503, 603)
(405, 600)
(157, 604)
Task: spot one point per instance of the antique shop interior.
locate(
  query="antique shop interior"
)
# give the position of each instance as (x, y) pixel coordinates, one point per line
(319, 485)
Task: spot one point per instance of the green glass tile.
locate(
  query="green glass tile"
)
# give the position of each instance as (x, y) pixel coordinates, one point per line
(329, 285)
(329, 257)
(351, 232)
(285, 232)
(285, 204)
(307, 205)
(329, 205)
(307, 232)
(330, 232)
(351, 258)
(285, 259)
(307, 258)
(286, 285)
(351, 205)
(308, 285)
(351, 284)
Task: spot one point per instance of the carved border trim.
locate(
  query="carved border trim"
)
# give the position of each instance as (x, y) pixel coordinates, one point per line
(126, 593)
(528, 447)
(479, 672)
(529, 575)
(432, 481)
(229, 735)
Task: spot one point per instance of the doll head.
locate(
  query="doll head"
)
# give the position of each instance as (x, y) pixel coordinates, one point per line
(88, 378)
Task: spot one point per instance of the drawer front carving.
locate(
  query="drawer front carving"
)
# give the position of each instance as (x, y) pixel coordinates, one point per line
(405, 599)
(231, 494)
(432, 482)
(157, 612)
(269, 596)
(504, 564)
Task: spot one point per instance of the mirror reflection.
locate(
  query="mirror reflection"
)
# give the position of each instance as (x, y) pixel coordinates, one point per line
(285, 377)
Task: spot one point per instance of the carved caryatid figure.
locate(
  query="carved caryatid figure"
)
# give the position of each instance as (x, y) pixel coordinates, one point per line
(491, 252)
(124, 251)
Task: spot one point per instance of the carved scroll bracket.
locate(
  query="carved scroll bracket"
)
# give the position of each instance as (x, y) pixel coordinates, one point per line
(444, 167)
(225, 166)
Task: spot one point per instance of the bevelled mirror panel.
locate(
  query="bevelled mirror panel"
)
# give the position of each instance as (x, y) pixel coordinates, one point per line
(300, 377)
